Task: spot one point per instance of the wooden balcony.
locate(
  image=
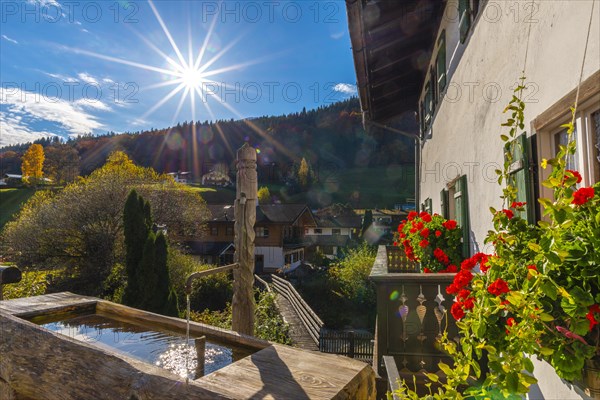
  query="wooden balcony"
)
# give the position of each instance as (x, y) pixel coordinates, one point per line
(413, 310)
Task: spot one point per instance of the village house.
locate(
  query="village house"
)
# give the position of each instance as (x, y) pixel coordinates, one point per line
(452, 66)
(280, 236)
(333, 233)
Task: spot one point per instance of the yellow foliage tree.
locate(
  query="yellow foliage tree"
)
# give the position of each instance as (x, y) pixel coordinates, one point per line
(264, 195)
(32, 164)
(304, 173)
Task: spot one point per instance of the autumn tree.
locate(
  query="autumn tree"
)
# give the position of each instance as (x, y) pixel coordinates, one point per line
(32, 164)
(304, 173)
(264, 195)
(61, 163)
(80, 229)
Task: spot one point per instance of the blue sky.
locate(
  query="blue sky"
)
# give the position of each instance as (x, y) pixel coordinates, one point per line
(77, 67)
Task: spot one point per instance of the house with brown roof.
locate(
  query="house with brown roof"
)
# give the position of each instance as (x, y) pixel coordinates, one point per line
(280, 236)
(332, 233)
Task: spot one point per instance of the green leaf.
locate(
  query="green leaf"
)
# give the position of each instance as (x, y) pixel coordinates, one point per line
(534, 246)
(553, 258)
(546, 317)
(546, 351)
(432, 377)
(512, 381)
(445, 368)
(583, 297)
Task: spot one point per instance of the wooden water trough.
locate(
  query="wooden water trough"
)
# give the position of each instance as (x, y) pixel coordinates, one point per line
(37, 363)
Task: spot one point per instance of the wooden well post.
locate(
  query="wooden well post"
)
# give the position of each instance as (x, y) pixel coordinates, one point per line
(242, 305)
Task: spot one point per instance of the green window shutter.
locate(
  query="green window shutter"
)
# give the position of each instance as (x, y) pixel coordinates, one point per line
(461, 205)
(428, 205)
(440, 63)
(520, 176)
(464, 15)
(444, 202)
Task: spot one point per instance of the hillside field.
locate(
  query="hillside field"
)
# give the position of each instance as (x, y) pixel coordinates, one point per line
(11, 200)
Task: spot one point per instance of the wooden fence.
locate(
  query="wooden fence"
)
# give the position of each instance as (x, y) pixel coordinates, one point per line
(351, 344)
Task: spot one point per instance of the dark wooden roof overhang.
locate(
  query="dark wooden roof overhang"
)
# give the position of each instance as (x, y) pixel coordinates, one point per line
(392, 42)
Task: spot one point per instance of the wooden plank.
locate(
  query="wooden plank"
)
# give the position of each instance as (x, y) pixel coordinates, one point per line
(27, 307)
(393, 376)
(282, 372)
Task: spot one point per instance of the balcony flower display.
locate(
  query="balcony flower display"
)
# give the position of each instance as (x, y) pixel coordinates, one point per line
(537, 295)
(431, 240)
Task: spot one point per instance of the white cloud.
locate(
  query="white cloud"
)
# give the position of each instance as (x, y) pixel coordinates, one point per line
(64, 78)
(346, 88)
(45, 3)
(9, 39)
(87, 78)
(107, 80)
(338, 35)
(15, 131)
(71, 116)
(92, 104)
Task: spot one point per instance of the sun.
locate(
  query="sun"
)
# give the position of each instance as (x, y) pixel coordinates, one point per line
(191, 77)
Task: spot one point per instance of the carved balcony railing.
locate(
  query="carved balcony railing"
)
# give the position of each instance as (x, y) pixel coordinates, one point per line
(412, 313)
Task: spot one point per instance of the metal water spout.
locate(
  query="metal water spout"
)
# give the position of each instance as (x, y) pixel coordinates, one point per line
(201, 274)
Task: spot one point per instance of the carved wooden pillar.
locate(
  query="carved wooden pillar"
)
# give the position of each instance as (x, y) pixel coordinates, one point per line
(245, 216)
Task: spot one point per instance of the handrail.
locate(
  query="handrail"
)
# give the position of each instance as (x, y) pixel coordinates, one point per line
(207, 272)
(393, 377)
(262, 282)
(308, 317)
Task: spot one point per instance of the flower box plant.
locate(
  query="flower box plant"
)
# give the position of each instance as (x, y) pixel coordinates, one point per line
(538, 294)
(431, 240)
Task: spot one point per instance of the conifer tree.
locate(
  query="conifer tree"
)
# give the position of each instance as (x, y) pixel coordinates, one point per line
(136, 231)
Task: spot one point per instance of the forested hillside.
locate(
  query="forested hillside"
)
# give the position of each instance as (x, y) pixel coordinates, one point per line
(327, 136)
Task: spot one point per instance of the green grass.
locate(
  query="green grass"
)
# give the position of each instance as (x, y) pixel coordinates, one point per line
(380, 187)
(216, 195)
(11, 200)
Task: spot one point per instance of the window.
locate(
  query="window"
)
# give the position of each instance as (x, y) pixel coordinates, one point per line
(214, 231)
(455, 205)
(586, 134)
(336, 231)
(428, 104)
(440, 65)
(520, 176)
(464, 16)
(229, 231)
(318, 231)
(262, 231)
(427, 206)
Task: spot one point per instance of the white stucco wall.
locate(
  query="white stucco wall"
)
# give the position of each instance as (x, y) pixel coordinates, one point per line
(466, 129)
(273, 257)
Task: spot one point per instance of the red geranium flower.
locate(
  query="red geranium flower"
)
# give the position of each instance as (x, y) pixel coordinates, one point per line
(575, 174)
(583, 195)
(498, 287)
(450, 224)
(532, 267)
(457, 311)
(463, 294)
(412, 215)
(595, 308)
(517, 204)
(452, 288)
(510, 322)
(419, 225)
(438, 233)
(425, 232)
(424, 243)
(508, 213)
(463, 278)
(469, 303)
(451, 268)
(426, 270)
(426, 218)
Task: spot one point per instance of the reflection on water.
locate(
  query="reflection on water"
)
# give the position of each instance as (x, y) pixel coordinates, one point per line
(166, 350)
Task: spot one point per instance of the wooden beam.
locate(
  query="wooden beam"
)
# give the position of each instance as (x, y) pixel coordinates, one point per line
(242, 305)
